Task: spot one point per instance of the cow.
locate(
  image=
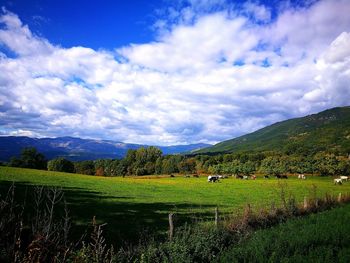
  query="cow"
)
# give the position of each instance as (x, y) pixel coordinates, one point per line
(266, 177)
(196, 176)
(344, 178)
(278, 176)
(213, 178)
(338, 181)
(301, 176)
(253, 177)
(172, 175)
(239, 176)
(284, 177)
(245, 177)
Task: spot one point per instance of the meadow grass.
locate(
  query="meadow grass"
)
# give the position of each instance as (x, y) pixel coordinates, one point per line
(133, 205)
(321, 237)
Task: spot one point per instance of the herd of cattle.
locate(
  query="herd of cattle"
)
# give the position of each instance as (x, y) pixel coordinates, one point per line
(216, 178)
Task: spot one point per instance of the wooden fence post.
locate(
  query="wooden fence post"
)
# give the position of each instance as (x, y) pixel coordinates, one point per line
(216, 216)
(340, 198)
(273, 207)
(171, 226)
(306, 204)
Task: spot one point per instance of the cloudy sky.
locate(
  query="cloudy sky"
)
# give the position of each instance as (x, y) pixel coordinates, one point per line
(169, 72)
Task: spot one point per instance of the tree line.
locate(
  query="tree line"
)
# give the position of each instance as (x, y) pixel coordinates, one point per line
(150, 160)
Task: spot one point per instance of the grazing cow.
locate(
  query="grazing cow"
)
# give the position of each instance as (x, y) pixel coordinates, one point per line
(213, 178)
(253, 177)
(301, 176)
(187, 176)
(220, 177)
(196, 175)
(239, 176)
(245, 177)
(344, 178)
(172, 175)
(284, 177)
(266, 177)
(278, 176)
(338, 181)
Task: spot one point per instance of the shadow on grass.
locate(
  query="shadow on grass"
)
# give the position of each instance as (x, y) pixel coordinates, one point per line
(127, 221)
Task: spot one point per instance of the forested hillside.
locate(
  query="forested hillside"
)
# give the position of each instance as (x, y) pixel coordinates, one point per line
(325, 131)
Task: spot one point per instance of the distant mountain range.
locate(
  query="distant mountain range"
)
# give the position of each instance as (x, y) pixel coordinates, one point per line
(77, 149)
(328, 130)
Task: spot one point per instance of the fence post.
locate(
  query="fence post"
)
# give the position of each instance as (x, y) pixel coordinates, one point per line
(171, 226)
(247, 212)
(340, 198)
(306, 204)
(216, 216)
(273, 207)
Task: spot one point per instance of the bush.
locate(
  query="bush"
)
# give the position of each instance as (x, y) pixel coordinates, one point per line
(60, 165)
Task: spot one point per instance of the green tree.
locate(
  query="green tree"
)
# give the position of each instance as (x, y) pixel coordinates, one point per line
(60, 165)
(187, 165)
(84, 167)
(248, 168)
(158, 165)
(273, 165)
(30, 158)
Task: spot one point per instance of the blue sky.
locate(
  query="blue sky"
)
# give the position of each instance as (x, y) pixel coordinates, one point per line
(102, 24)
(106, 24)
(168, 72)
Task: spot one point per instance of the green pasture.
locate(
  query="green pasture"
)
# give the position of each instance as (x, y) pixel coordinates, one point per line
(132, 205)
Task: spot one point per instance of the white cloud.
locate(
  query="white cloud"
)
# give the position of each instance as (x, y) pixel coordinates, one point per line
(258, 12)
(19, 37)
(218, 76)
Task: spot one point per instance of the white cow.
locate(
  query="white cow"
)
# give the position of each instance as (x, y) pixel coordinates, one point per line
(302, 176)
(344, 178)
(338, 181)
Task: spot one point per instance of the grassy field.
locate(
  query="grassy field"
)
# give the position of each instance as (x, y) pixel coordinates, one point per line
(133, 205)
(322, 237)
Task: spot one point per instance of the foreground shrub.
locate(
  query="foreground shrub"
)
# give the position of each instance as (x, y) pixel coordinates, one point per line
(196, 244)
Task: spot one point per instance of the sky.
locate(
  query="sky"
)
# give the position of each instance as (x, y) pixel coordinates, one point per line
(168, 72)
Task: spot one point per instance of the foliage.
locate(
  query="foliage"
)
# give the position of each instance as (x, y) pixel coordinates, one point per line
(29, 158)
(84, 167)
(187, 165)
(60, 165)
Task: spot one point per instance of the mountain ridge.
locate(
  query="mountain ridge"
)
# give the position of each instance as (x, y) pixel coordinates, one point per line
(328, 130)
(77, 149)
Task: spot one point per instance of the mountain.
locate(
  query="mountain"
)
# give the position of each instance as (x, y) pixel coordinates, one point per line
(77, 149)
(328, 130)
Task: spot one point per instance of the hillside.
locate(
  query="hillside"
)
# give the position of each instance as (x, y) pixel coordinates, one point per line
(328, 130)
(77, 149)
